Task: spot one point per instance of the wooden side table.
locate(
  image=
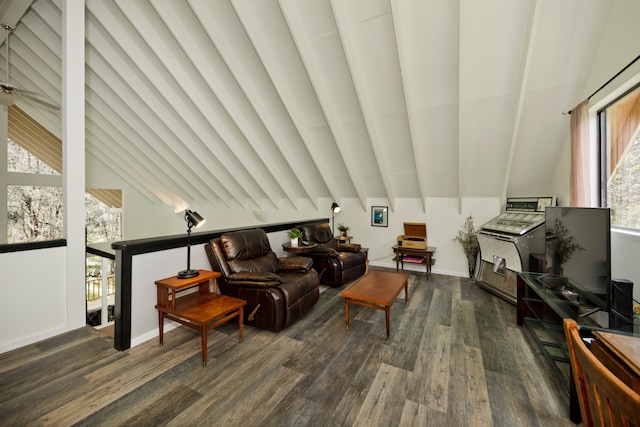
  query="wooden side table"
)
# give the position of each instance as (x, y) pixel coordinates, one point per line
(201, 310)
(424, 255)
(343, 239)
(300, 249)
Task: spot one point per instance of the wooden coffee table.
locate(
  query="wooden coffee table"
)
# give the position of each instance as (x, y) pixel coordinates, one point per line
(377, 289)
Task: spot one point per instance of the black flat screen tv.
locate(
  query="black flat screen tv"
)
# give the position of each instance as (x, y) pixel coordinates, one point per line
(578, 246)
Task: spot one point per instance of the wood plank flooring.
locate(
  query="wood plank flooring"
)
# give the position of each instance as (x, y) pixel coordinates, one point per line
(455, 358)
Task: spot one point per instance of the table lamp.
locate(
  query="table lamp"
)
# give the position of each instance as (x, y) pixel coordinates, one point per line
(193, 220)
(335, 208)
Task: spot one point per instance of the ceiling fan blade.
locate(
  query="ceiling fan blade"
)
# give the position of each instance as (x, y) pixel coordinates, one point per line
(7, 89)
(39, 101)
(22, 91)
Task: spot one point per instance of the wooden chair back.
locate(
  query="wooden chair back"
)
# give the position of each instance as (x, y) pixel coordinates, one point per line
(604, 399)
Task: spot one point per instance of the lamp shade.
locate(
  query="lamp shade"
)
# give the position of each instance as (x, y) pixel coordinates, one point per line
(335, 208)
(193, 218)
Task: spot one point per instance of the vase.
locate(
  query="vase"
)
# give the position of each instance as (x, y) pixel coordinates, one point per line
(294, 241)
(471, 260)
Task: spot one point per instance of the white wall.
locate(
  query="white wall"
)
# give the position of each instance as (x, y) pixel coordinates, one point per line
(443, 216)
(625, 248)
(34, 299)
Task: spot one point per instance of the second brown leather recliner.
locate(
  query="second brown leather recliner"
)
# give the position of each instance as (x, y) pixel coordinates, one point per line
(337, 263)
(278, 291)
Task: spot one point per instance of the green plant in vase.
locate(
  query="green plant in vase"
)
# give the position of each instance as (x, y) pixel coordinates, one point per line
(470, 245)
(343, 229)
(294, 235)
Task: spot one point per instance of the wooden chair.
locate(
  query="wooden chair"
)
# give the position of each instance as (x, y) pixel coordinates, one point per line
(604, 399)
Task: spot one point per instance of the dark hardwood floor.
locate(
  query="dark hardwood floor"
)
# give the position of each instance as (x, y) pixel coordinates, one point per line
(455, 358)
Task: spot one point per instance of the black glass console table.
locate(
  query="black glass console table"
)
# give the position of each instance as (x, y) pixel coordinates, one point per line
(543, 301)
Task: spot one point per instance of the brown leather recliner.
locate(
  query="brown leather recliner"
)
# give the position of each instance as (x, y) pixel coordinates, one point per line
(338, 263)
(278, 291)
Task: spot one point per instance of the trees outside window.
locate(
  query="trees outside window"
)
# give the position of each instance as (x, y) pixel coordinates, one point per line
(103, 222)
(34, 212)
(623, 189)
(620, 159)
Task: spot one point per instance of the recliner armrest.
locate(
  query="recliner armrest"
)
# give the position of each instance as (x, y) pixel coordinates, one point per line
(324, 249)
(254, 279)
(349, 247)
(294, 263)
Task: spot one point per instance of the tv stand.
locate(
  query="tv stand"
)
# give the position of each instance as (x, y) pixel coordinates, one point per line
(542, 302)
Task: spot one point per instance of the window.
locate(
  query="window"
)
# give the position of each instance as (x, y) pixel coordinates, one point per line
(34, 212)
(103, 219)
(34, 188)
(620, 159)
(32, 203)
(22, 161)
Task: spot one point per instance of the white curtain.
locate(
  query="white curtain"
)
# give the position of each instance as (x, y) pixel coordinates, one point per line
(580, 185)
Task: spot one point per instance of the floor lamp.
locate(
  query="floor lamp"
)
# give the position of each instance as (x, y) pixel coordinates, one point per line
(335, 208)
(193, 220)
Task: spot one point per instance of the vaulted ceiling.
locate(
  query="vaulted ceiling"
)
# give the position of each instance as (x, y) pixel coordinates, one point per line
(273, 103)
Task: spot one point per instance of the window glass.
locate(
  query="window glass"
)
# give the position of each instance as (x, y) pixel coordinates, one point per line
(623, 189)
(20, 160)
(103, 222)
(620, 165)
(34, 213)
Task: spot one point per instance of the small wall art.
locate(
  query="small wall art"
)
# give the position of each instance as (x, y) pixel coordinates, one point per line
(379, 216)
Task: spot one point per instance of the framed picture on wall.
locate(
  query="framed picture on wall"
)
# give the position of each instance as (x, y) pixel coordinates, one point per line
(379, 216)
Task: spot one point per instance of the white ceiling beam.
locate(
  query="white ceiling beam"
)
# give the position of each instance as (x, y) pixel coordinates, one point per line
(376, 71)
(232, 146)
(307, 112)
(197, 105)
(226, 31)
(401, 33)
(336, 161)
(270, 37)
(124, 117)
(140, 90)
(30, 72)
(155, 39)
(339, 13)
(523, 86)
(121, 136)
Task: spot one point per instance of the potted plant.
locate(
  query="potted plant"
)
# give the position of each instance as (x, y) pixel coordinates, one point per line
(294, 235)
(343, 229)
(467, 238)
